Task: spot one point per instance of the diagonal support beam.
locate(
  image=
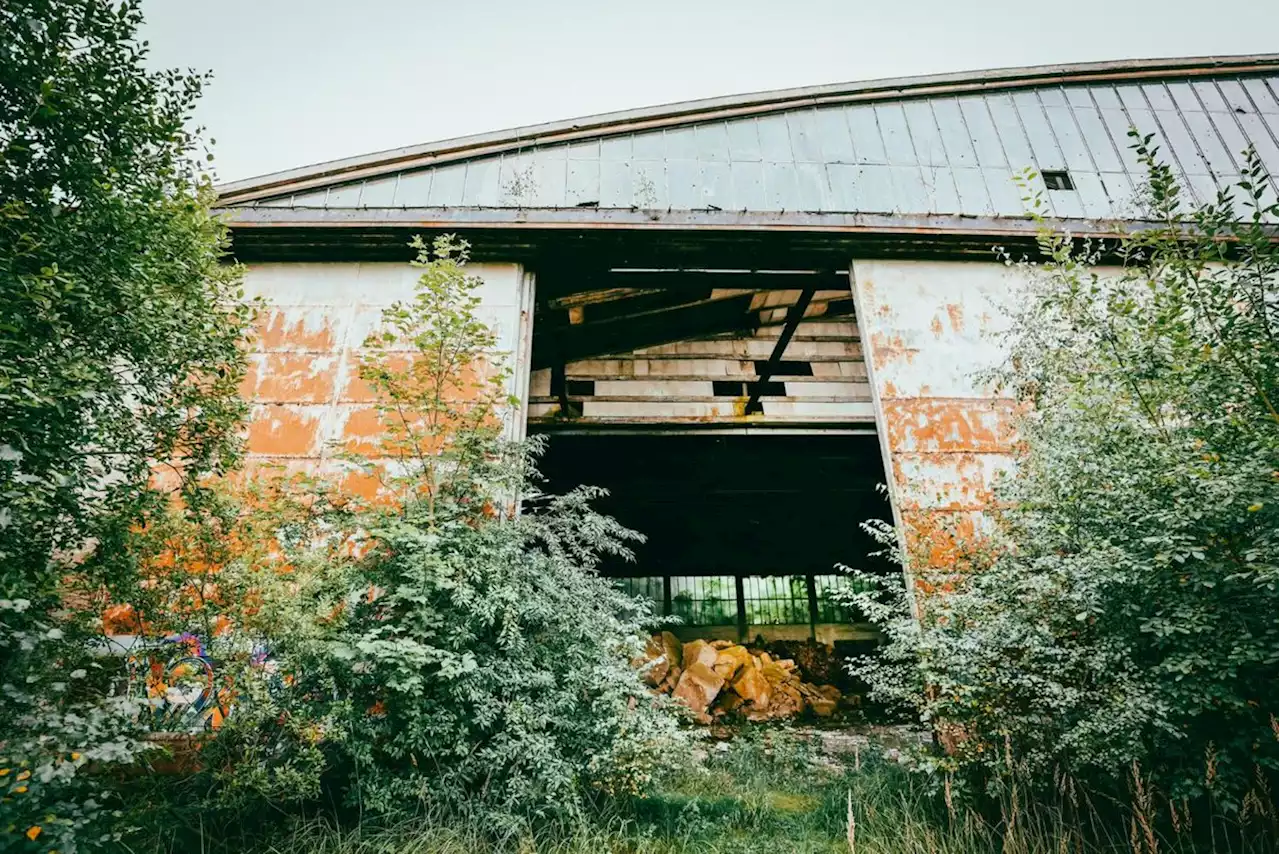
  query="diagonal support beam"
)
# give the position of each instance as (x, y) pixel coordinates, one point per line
(794, 316)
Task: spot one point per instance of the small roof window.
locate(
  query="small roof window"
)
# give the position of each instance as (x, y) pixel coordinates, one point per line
(1057, 179)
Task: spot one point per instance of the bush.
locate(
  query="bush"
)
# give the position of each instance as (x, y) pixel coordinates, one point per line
(475, 660)
(1119, 624)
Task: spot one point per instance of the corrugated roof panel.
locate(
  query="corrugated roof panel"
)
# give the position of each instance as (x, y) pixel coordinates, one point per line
(1044, 145)
(982, 131)
(1092, 193)
(412, 190)
(481, 187)
(1013, 135)
(1070, 141)
(1094, 132)
(681, 144)
(972, 187)
(775, 138)
(925, 138)
(447, 184)
(802, 129)
(379, 193)
(898, 147)
(1221, 162)
(1006, 197)
(1183, 147)
(615, 184)
(582, 185)
(781, 192)
(868, 145)
(717, 186)
(345, 196)
(684, 181)
(944, 195)
(713, 142)
(873, 189)
(954, 131)
(550, 171)
(833, 135)
(748, 185)
(932, 154)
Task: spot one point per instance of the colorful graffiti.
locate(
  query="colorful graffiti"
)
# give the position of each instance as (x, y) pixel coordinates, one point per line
(184, 687)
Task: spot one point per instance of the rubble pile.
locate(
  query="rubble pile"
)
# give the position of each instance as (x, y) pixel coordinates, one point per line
(718, 679)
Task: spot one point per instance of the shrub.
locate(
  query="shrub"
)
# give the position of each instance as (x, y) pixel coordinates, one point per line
(476, 660)
(1120, 625)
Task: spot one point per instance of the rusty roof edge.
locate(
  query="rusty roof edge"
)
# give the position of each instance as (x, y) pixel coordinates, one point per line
(732, 106)
(924, 225)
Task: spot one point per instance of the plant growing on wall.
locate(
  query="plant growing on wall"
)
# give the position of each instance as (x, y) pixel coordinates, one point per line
(477, 662)
(1121, 626)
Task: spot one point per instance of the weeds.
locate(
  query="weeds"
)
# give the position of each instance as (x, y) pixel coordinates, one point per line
(773, 792)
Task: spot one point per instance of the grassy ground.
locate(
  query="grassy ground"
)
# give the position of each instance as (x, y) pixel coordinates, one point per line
(765, 794)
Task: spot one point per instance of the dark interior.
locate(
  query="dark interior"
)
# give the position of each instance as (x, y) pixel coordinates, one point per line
(717, 504)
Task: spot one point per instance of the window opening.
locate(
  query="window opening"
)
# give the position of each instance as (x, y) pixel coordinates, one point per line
(1057, 180)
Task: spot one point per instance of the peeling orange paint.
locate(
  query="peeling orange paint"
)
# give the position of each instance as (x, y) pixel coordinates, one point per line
(292, 378)
(943, 425)
(936, 327)
(956, 313)
(281, 431)
(277, 332)
(887, 349)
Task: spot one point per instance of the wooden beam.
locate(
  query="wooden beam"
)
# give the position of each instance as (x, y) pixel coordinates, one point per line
(794, 316)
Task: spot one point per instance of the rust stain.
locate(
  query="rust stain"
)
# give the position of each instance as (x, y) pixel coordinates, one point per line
(936, 327)
(944, 481)
(887, 349)
(941, 539)
(944, 425)
(890, 390)
(956, 313)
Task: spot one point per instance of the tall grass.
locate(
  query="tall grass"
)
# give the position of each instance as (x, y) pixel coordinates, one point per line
(772, 793)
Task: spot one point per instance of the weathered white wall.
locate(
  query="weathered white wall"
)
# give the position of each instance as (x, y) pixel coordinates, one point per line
(303, 379)
(928, 330)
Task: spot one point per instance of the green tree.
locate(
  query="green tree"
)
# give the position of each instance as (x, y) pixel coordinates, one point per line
(1122, 620)
(120, 353)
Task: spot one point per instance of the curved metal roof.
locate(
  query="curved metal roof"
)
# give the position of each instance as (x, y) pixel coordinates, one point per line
(939, 145)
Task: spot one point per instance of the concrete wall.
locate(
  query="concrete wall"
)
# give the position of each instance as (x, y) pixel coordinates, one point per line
(303, 384)
(928, 328)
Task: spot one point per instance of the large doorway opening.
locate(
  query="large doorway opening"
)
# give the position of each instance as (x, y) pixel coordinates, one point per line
(743, 531)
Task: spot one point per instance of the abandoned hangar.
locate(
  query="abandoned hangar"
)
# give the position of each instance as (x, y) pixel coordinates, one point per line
(740, 314)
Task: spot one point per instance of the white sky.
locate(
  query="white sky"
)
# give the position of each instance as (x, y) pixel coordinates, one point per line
(301, 81)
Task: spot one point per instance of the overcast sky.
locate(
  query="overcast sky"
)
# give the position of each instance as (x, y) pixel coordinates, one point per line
(301, 81)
